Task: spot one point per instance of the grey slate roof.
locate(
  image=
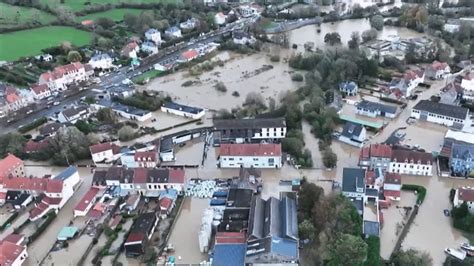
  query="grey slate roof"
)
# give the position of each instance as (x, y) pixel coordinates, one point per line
(74, 111)
(352, 178)
(51, 128)
(462, 151)
(373, 107)
(351, 129)
(371, 228)
(249, 123)
(182, 107)
(442, 109)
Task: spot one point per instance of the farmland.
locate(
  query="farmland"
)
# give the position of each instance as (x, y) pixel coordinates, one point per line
(30, 42)
(11, 16)
(78, 5)
(114, 14)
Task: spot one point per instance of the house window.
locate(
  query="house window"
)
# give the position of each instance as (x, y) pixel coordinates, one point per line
(255, 159)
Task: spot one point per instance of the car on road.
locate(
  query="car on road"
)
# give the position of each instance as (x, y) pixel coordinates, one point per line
(56, 103)
(29, 112)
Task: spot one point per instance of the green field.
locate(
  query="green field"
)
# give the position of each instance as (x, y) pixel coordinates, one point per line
(78, 5)
(11, 16)
(115, 14)
(30, 42)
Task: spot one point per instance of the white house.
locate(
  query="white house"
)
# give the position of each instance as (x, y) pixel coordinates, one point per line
(220, 18)
(173, 32)
(62, 76)
(440, 113)
(145, 159)
(149, 47)
(183, 110)
(452, 25)
(249, 130)
(104, 152)
(353, 134)
(44, 57)
(353, 183)
(392, 186)
(101, 61)
(374, 109)
(125, 111)
(153, 35)
(250, 155)
(86, 203)
(349, 88)
(130, 50)
(189, 24)
(410, 80)
(464, 194)
(73, 114)
(438, 70)
(167, 150)
(242, 38)
(407, 162)
(467, 83)
(40, 91)
(13, 250)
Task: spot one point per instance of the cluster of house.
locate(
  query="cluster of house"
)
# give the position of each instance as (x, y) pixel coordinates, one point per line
(256, 231)
(377, 183)
(13, 250)
(395, 46)
(48, 192)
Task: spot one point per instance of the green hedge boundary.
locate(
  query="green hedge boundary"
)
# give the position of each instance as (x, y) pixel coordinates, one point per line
(33, 125)
(421, 192)
(9, 221)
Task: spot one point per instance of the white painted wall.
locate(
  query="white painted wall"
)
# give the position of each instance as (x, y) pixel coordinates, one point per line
(182, 113)
(410, 168)
(250, 161)
(438, 119)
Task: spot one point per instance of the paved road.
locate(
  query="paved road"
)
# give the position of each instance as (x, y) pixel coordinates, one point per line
(172, 54)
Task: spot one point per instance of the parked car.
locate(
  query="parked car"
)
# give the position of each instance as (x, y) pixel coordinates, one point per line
(56, 103)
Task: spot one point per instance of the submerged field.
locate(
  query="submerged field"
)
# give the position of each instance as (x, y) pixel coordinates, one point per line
(114, 14)
(11, 16)
(78, 5)
(30, 42)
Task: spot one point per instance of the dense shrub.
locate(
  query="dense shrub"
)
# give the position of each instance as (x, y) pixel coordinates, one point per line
(33, 125)
(420, 190)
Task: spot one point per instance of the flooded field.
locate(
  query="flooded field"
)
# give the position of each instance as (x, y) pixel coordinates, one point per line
(184, 235)
(344, 28)
(240, 74)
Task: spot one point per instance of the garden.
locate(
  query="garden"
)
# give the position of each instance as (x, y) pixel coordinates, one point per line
(78, 5)
(12, 16)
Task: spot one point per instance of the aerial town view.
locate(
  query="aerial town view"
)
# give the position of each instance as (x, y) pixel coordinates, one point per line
(237, 132)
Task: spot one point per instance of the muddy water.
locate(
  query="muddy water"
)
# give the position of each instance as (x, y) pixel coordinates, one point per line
(184, 236)
(237, 75)
(344, 28)
(431, 230)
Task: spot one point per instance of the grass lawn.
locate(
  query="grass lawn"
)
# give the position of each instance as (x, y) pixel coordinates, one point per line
(14, 15)
(78, 5)
(115, 14)
(149, 75)
(30, 42)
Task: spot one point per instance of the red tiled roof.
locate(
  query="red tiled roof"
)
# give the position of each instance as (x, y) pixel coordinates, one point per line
(392, 178)
(11, 98)
(8, 164)
(380, 150)
(230, 238)
(3, 195)
(38, 89)
(250, 150)
(364, 153)
(466, 194)
(439, 65)
(190, 54)
(134, 237)
(87, 22)
(51, 201)
(369, 177)
(9, 252)
(101, 147)
(140, 175)
(60, 71)
(37, 184)
(14, 238)
(35, 146)
(415, 156)
(165, 203)
(141, 156)
(38, 210)
(391, 193)
(115, 221)
(176, 176)
(87, 199)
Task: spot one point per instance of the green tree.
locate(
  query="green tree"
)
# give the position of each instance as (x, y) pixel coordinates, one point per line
(332, 38)
(373, 251)
(74, 56)
(84, 126)
(329, 158)
(309, 194)
(105, 23)
(68, 146)
(126, 133)
(376, 22)
(412, 257)
(306, 230)
(130, 20)
(90, 100)
(12, 143)
(346, 249)
(460, 212)
(369, 35)
(107, 115)
(354, 42)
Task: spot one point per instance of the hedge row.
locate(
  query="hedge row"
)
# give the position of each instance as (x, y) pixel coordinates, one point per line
(373, 251)
(421, 192)
(8, 221)
(33, 125)
(49, 218)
